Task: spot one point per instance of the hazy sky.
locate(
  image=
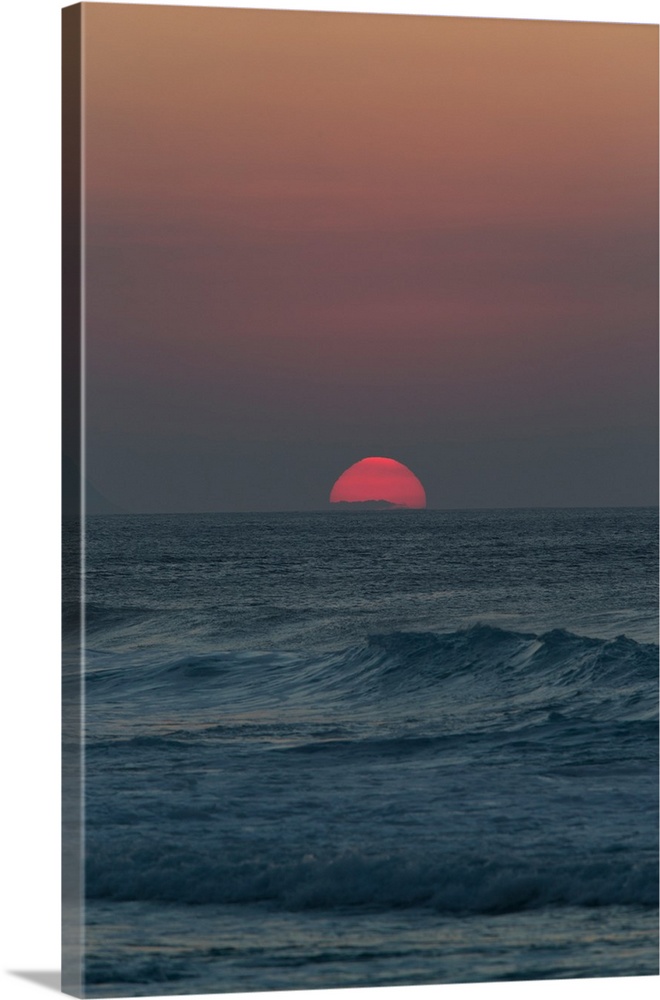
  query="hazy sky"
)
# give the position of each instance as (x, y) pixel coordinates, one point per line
(314, 237)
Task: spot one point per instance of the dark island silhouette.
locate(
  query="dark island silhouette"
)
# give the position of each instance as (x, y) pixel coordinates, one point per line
(366, 505)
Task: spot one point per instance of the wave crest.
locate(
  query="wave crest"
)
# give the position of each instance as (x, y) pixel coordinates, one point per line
(407, 671)
(458, 885)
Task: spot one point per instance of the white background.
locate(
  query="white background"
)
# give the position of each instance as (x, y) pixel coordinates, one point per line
(30, 399)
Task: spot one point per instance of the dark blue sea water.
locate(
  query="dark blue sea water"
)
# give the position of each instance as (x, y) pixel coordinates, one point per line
(370, 748)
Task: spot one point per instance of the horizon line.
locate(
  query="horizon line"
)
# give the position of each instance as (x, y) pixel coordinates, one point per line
(334, 509)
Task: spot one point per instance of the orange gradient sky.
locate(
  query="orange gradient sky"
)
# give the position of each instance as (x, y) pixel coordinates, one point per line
(315, 236)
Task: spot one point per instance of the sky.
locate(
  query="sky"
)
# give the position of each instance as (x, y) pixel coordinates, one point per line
(315, 237)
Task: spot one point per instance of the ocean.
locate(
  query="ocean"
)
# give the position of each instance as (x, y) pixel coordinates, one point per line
(370, 748)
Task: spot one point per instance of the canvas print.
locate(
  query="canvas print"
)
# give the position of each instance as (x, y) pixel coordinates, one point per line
(360, 500)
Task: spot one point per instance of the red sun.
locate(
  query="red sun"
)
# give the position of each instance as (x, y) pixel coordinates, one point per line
(379, 479)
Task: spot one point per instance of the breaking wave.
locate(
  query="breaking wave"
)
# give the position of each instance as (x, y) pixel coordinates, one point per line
(406, 669)
(457, 885)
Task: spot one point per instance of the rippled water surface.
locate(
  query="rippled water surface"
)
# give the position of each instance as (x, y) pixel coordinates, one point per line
(370, 748)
